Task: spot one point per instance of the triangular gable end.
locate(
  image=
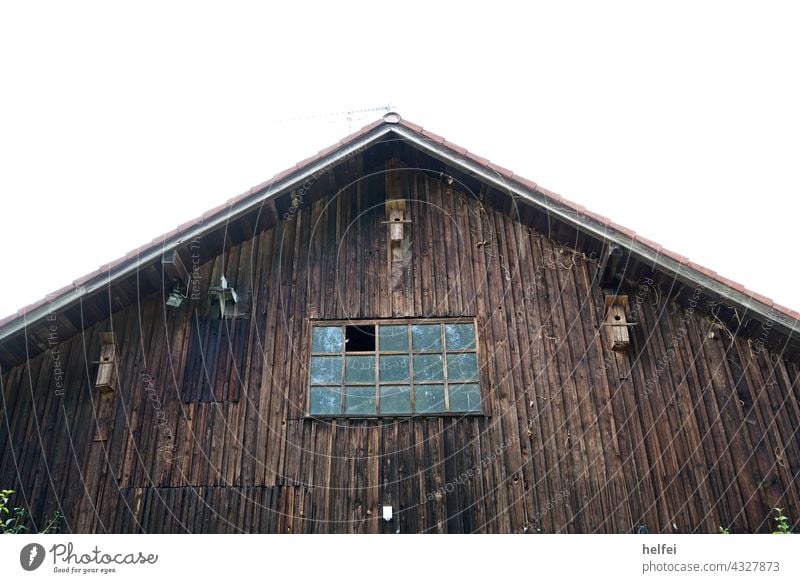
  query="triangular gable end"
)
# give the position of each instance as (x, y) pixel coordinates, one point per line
(619, 250)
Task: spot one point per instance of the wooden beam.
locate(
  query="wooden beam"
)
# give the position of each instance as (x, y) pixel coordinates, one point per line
(172, 268)
(605, 276)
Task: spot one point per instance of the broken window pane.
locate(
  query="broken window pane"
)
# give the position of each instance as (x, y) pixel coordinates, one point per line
(359, 338)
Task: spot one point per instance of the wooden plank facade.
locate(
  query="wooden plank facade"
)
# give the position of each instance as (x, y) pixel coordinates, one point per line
(692, 427)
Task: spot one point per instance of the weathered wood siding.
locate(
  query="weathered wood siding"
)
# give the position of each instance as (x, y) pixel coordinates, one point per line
(689, 430)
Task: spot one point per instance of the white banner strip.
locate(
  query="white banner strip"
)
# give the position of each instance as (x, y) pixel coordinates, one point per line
(387, 558)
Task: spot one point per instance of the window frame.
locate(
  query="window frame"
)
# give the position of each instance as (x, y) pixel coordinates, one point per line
(410, 353)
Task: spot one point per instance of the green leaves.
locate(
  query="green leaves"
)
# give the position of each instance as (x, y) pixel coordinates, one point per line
(781, 522)
(17, 516)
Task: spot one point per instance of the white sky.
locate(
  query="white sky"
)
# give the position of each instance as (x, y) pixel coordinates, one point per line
(679, 121)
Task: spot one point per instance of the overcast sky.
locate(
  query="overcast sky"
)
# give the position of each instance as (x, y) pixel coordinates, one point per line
(678, 120)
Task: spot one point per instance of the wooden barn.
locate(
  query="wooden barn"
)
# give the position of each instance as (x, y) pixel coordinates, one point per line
(398, 336)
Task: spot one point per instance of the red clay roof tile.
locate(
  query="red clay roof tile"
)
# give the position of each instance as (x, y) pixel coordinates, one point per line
(455, 147)
(759, 297)
(530, 184)
(411, 125)
(624, 230)
(786, 310)
(730, 283)
(82, 280)
(504, 172)
(701, 269)
(553, 195)
(435, 137)
(58, 292)
(476, 158)
(306, 162)
(580, 209)
(328, 150)
(676, 256)
(648, 242)
(279, 176)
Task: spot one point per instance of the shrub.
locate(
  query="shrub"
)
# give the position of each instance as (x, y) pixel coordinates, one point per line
(12, 520)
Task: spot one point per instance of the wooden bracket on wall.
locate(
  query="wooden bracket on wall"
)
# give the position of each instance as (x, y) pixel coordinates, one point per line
(271, 212)
(107, 365)
(172, 268)
(616, 308)
(606, 276)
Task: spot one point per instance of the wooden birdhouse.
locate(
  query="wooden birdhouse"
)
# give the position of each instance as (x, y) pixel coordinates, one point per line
(396, 215)
(616, 308)
(107, 365)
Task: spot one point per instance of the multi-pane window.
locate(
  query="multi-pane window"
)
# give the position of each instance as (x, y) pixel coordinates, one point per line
(391, 368)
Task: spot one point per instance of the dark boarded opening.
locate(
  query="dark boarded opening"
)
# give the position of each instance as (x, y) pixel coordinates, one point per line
(359, 338)
(216, 358)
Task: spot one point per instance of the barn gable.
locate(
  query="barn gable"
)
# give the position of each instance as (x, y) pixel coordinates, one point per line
(621, 252)
(687, 419)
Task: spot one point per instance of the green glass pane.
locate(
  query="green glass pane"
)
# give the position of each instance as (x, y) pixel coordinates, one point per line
(395, 400)
(326, 370)
(429, 399)
(326, 339)
(325, 400)
(465, 398)
(462, 367)
(426, 337)
(428, 367)
(393, 368)
(359, 369)
(393, 338)
(359, 400)
(459, 336)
